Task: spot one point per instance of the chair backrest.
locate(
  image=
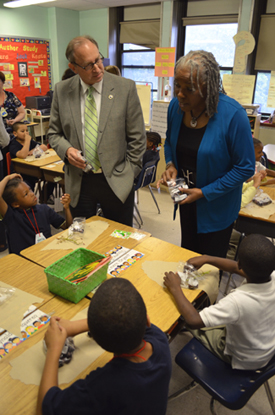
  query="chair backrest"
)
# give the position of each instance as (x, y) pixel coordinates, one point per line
(148, 173)
(8, 160)
(231, 387)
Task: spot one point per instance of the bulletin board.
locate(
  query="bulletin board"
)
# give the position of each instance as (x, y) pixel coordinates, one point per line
(144, 94)
(26, 65)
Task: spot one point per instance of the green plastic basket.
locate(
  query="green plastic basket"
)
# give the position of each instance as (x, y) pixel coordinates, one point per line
(60, 269)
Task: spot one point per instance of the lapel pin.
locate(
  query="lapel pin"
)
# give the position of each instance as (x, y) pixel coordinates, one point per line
(110, 97)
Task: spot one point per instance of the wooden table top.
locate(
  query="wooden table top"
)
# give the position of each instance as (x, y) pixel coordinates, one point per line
(16, 397)
(25, 275)
(160, 305)
(102, 244)
(270, 190)
(39, 162)
(56, 167)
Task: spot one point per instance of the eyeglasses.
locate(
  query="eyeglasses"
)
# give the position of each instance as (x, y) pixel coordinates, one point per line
(91, 65)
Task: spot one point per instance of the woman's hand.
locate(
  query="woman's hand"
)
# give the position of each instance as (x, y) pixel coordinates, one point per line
(169, 174)
(192, 195)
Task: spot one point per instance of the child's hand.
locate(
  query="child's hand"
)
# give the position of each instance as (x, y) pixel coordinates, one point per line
(66, 200)
(171, 281)
(15, 176)
(43, 147)
(263, 173)
(55, 336)
(197, 261)
(30, 153)
(257, 178)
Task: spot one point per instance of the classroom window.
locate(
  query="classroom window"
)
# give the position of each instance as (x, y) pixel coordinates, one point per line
(138, 64)
(215, 38)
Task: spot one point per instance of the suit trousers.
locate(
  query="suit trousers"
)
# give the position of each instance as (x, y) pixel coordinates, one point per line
(96, 190)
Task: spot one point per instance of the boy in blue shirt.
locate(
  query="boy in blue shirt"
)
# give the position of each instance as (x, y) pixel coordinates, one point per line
(134, 382)
(22, 146)
(26, 222)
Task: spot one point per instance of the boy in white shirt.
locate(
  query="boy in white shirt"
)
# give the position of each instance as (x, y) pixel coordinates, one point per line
(247, 336)
(258, 148)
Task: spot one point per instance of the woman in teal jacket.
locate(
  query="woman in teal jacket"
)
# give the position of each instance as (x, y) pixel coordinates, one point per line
(209, 143)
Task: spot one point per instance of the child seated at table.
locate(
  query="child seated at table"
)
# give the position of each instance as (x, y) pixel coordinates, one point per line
(250, 187)
(258, 148)
(135, 381)
(152, 148)
(22, 146)
(27, 222)
(247, 336)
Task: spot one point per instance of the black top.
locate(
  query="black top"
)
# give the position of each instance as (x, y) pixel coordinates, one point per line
(187, 148)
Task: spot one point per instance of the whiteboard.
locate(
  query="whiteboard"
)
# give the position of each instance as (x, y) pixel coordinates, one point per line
(159, 117)
(144, 93)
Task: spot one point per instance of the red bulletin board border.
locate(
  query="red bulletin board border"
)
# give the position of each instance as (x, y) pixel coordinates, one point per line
(27, 66)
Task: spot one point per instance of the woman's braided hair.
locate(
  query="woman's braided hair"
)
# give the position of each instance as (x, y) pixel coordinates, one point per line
(207, 70)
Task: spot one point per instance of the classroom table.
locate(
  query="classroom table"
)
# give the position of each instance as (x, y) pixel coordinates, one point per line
(18, 398)
(33, 168)
(102, 244)
(25, 275)
(250, 224)
(53, 173)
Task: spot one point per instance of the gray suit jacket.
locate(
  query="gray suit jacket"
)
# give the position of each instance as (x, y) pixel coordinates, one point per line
(121, 132)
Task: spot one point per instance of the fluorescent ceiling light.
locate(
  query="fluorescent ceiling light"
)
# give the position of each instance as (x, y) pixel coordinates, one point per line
(21, 3)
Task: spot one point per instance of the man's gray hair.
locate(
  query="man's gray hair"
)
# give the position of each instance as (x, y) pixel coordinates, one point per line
(75, 43)
(207, 70)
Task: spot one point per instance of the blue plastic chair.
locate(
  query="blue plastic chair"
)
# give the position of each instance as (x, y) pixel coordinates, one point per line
(145, 178)
(231, 387)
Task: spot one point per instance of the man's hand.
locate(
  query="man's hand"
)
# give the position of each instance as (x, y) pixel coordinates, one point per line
(55, 336)
(75, 158)
(172, 281)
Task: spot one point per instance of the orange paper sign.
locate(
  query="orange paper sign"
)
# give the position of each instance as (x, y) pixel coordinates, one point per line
(165, 61)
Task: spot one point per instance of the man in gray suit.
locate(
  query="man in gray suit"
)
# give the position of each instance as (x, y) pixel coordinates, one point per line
(120, 134)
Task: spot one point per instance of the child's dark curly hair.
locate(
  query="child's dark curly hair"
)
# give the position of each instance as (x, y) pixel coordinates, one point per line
(9, 194)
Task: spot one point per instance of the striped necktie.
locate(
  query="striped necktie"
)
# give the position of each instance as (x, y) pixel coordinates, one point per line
(91, 130)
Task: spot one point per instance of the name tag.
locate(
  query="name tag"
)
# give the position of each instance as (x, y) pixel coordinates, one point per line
(4, 112)
(39, 237)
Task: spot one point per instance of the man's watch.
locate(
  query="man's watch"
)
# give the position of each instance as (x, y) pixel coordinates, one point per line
(170, 163)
